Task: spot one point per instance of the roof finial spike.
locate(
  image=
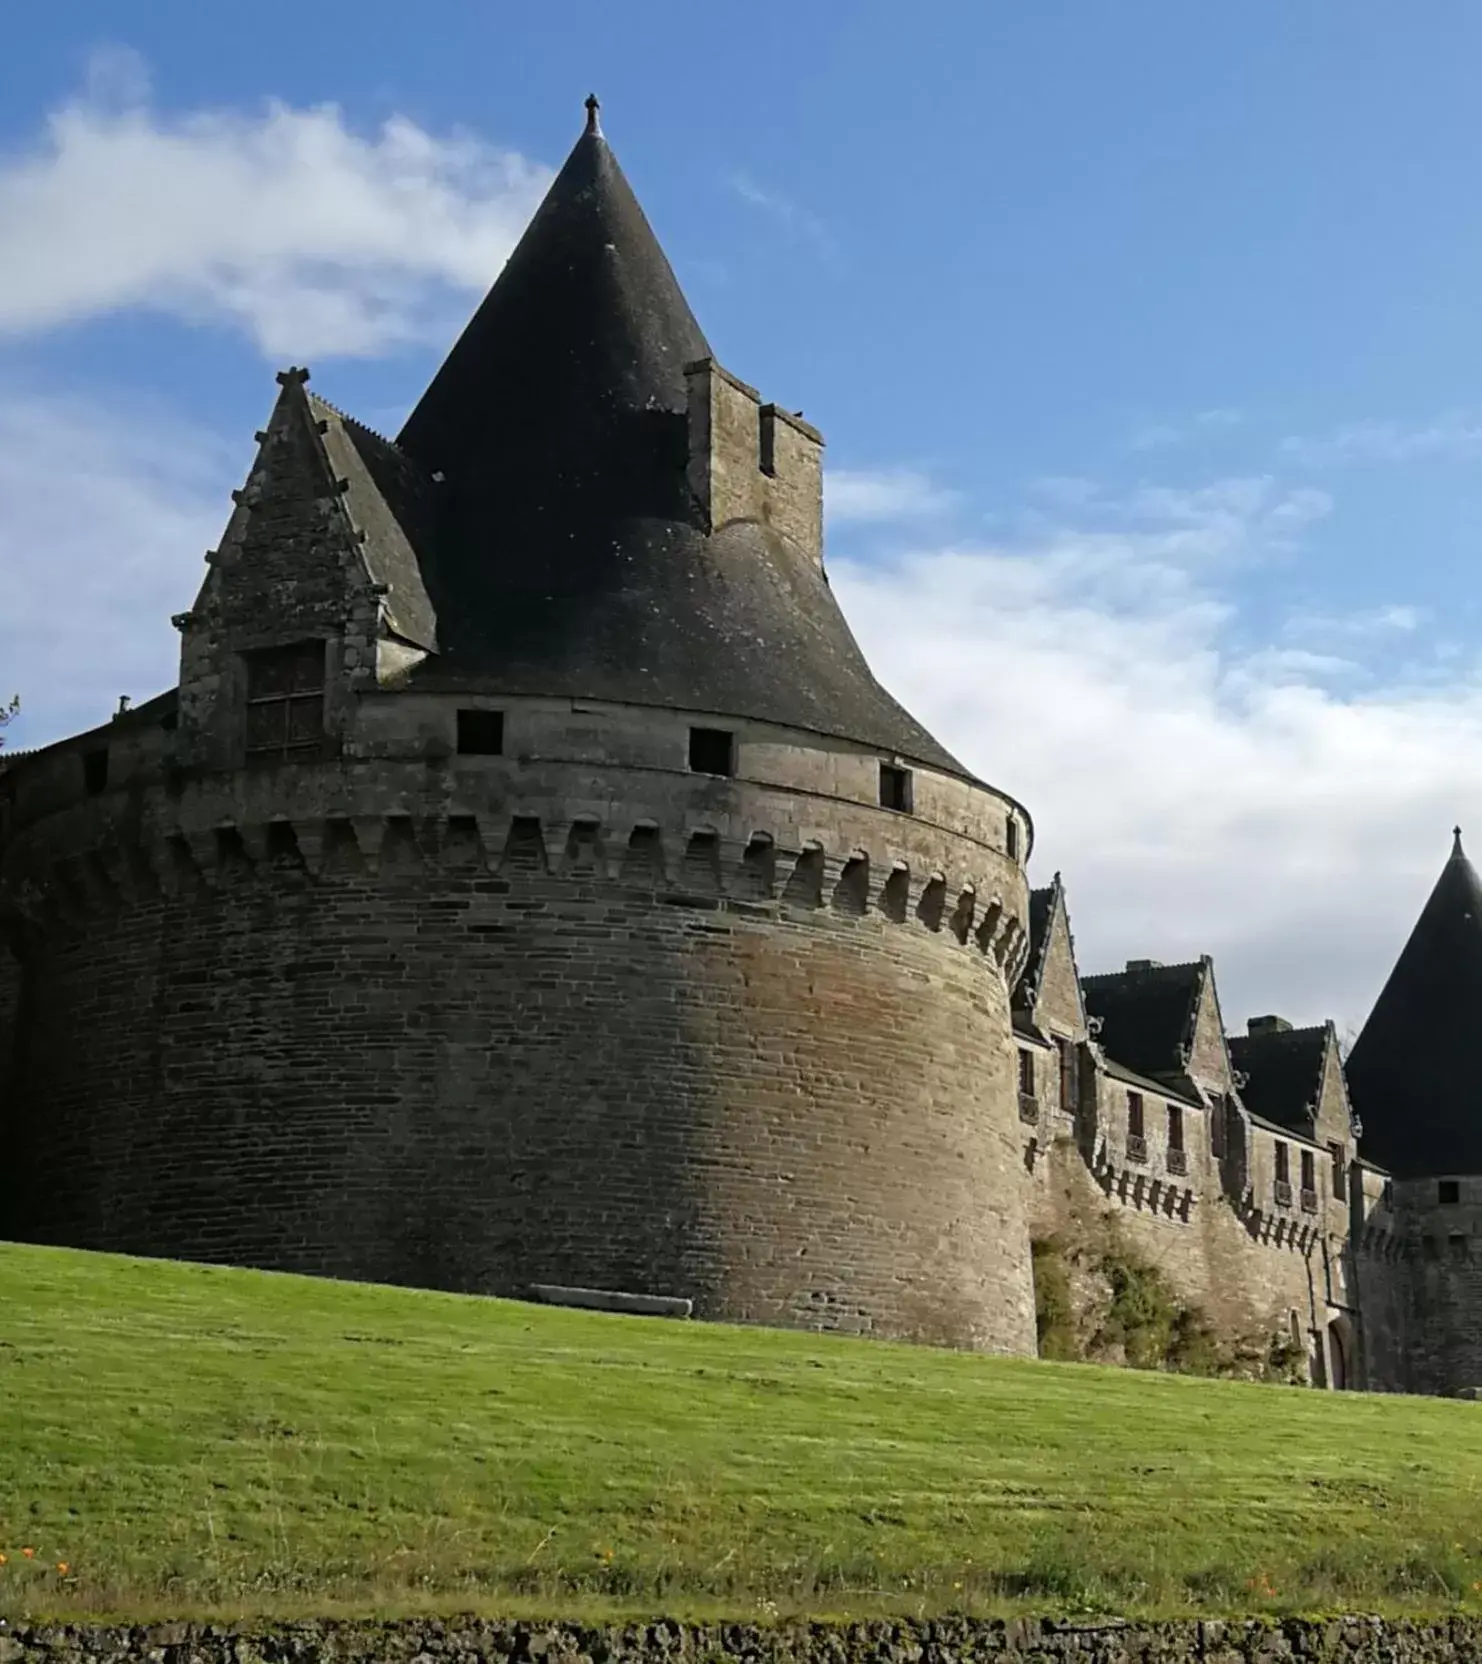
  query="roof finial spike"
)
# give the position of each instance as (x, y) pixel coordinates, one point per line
(592, 106)
(1456, 849)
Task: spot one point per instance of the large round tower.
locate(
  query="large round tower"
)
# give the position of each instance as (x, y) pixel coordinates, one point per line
(528, 882)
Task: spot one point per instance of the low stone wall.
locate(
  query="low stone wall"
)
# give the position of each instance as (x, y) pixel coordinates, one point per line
(941, 1641)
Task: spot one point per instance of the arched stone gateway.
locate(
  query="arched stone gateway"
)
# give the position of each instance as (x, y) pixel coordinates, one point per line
(1340, 1354)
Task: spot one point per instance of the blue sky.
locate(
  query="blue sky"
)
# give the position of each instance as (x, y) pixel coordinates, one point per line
(1145, 337)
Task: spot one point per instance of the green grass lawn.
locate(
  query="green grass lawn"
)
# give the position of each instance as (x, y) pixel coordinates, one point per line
(189, 1441)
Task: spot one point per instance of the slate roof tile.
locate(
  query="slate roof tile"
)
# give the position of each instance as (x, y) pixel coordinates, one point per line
(1146, 1014)
(1415, 1072)
(566, 553)
(1283, 1070)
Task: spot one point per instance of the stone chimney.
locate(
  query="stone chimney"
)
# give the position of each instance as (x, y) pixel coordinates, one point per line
(1267, 1025)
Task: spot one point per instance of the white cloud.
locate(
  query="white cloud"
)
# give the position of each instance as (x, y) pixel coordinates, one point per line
(889, 494)
(1373, 624)
(1066, 491)
(801, 223)
(1450, 437)
(105, 515)
(284, 223)
(1157, 436)
(1199, 796)
(1242, 517)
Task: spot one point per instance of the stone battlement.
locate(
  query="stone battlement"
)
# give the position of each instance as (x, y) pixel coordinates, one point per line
(695, 862)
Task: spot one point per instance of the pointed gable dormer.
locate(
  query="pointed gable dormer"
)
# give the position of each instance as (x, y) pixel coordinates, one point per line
(1415, 1072)
(1048, 998)
(1163, 1022)
(1293, 1077)
(316, 565)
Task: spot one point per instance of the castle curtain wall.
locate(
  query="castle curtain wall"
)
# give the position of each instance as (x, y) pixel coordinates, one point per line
(1440, 1221)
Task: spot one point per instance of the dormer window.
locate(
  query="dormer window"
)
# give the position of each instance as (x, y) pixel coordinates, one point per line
(895, 788)
(1338, 1156)
(712, 751)
(481, 733)
(285, 701)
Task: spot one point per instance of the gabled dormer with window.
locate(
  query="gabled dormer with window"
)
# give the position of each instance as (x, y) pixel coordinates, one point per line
(314, 594)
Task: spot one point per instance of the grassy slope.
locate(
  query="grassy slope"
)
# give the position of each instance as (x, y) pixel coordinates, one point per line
(190, 1439)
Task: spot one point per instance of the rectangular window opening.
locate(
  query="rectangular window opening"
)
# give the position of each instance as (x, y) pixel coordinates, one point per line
(766, 441)
(1070, 1075)
(1457, 1243)
(1028, 1103)
(895, 788)
(1283, 1163)
(1448, 1192)
(285, 700)
(1309, 1180)
(1175, 1127)
(1135, 1117)
(1026, 1073)
(712, 751)
(1011, 838)
(95, 770)
(481, 733)
(1339, 1160)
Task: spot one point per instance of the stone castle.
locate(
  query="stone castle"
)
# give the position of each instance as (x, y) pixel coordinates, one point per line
(528, 886)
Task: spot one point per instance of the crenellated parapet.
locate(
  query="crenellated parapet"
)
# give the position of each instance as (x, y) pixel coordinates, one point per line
(487, 1024)
(100, 868)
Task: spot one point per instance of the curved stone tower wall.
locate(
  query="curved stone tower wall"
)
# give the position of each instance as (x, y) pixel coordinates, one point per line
(1442, 1323)
(559, 1022)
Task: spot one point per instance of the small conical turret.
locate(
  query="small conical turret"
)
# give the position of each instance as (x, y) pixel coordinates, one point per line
(1415, 1073)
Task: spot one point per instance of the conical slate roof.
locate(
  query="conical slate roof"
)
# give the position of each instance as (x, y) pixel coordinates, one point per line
(585, 326)
(1415, 1073)
(565, 554)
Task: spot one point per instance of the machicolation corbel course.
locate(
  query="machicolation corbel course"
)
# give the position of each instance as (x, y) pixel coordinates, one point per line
(528, 884)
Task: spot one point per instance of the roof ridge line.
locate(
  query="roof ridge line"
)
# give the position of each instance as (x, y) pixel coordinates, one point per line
(1292, 1033)
(355, 422)
(1146, 970)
